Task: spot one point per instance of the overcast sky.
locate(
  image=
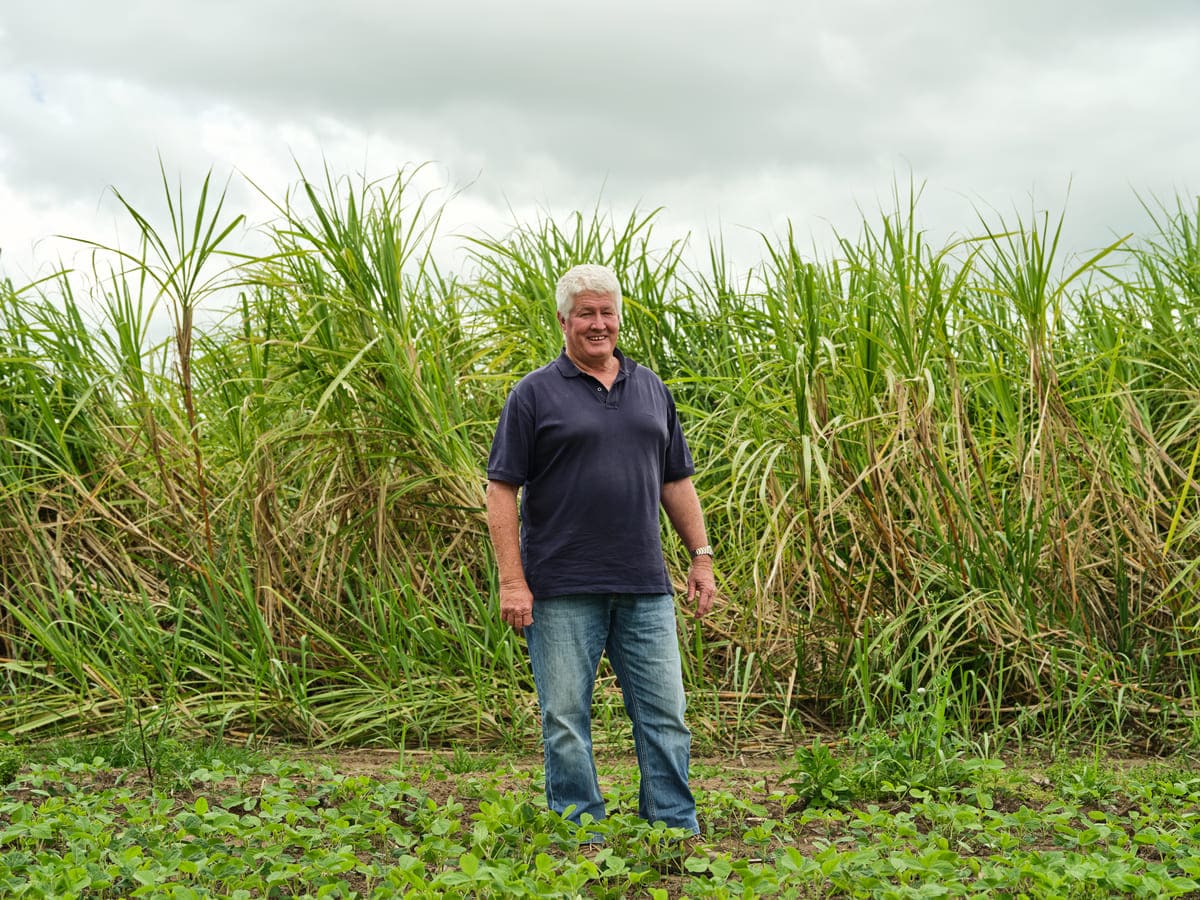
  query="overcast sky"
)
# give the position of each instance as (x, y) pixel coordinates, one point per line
(736, 117)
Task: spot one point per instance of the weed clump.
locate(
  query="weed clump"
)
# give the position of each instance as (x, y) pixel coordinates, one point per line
(11, 760)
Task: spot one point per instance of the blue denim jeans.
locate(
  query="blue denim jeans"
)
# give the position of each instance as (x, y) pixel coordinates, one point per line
(566, 639)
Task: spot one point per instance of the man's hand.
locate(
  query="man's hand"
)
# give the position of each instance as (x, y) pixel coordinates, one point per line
(701, 586)
(516, 600)
(682, 504)
(516, 605)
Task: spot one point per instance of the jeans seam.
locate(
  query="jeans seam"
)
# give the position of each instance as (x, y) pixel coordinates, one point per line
(553, 771)
(638, 739)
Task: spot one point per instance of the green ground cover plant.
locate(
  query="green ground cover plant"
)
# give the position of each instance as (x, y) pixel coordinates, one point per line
(233, 823)
(967, 470)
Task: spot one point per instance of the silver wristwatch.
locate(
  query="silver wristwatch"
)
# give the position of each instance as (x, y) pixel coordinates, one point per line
(706, 550)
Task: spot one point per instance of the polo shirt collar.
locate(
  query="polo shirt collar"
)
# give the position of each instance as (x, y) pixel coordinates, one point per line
(568, 369)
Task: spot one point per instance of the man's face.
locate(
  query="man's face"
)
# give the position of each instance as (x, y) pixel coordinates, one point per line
(591, 328)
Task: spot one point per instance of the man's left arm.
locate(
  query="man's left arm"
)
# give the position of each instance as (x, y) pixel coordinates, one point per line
(682, 504)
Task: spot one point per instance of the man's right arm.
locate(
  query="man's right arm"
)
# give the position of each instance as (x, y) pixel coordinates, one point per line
(516, 600)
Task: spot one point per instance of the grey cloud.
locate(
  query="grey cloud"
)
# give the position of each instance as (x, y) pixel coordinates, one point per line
(761, 109)
(675, 84)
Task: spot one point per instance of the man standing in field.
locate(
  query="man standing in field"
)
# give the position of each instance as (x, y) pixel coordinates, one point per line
(593, 443)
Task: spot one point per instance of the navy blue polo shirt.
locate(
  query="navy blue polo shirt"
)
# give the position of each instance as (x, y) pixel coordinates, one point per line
(592, 463)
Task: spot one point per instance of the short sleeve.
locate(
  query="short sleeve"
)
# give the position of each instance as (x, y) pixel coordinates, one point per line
(512, 444)
(677, 460)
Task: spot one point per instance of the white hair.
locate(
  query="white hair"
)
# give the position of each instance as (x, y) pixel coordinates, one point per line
(577, 280)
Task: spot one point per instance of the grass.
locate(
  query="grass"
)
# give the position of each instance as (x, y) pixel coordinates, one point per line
(235, 823)
(965, 469)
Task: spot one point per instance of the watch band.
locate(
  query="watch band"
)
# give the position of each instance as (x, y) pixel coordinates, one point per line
(706, 550)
